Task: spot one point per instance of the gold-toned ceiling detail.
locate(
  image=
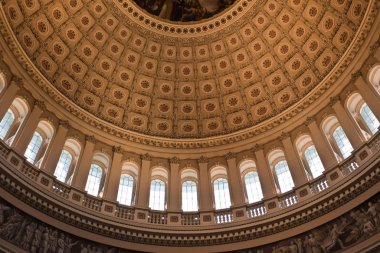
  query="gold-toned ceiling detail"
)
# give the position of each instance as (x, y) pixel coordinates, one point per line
(215, 85)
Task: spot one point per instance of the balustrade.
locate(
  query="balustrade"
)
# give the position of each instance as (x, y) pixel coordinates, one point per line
(288, 200)
(256, 210)
(223, 216)
(125, 213)
(319, 185)
(349, 166)
(92, 203)
(158, 217)
(60, 189)
(190, 219)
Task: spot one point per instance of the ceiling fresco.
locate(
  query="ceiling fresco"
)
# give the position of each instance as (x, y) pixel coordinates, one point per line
(184, 10)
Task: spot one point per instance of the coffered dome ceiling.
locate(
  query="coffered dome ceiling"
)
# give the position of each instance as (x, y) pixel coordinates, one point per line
(232, 71)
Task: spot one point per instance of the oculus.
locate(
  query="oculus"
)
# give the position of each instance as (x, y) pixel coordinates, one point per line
(184, 10)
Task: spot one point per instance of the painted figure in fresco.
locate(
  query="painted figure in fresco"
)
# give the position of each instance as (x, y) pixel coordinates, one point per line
(28, 235)
(335, 234)
(61, 244)
(69, 244)
(37, 239)
(373, 211)
(3, 208)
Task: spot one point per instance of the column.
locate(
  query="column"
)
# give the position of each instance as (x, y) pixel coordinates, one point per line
(81, 173)
(56, 146)
(28, 127)
(369, 97)
(295, 165)
(322, 146)
(8, 97)
(350, 128)
(142, 200)
(205, 201)
(111, 185)
(234, 181)
(265, 175)
(174, 186)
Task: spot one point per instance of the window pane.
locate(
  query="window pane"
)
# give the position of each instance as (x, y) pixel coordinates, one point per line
(342, 142)
(124, 195)
(253, 187)
(189, 196)
(314, 162)
(33, 147)
(221, 194)
(157, 195)
(6, 123)
(63, 166)
(369, 118)
(93, 180)
(283, 176)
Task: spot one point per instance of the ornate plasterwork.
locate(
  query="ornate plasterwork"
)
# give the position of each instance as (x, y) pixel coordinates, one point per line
(198, 120)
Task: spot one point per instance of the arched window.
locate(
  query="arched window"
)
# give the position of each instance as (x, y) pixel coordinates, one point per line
(309, 156)
(94, 179)
(63, 166)
(68, 160)
(189, 200)
(337, 138)
(39, 143)
(342, 142)
(189, 196)
(33, 147)
(2, 82)
(125, 192)
(374, 77)
(284, 176)
(362, 114)
(314, 162)
(221, 193)
(6, 123)
(251, 181)
(253, 187)
(157, 195)
(369, 118)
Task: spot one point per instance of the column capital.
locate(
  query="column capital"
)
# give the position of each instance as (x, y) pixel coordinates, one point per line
(174, 160)
(230, 156)
(146, 157)
(356, 75)
(64, 123)
(117, 149)
(17, 81)
(203, 159)
(309, 120)
(334, 100)
(40, 104)
(90, 138)
(284, 136)
(258, 147)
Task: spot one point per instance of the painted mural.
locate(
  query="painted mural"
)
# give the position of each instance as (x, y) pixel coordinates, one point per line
(338, 235)
(184, 10)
